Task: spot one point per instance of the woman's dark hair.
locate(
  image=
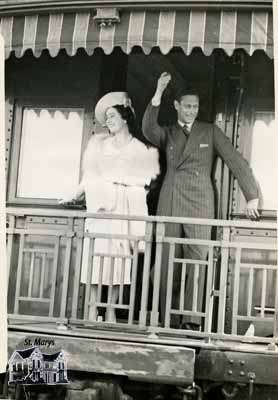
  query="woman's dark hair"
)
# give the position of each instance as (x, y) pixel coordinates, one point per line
(128, 115)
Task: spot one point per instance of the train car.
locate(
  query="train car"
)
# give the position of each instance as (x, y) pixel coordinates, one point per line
(61, 57)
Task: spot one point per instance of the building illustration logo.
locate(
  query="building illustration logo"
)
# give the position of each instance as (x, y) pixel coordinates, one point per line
(31, 366)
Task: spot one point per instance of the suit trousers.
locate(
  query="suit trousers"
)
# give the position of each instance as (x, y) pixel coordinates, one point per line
(191, 252)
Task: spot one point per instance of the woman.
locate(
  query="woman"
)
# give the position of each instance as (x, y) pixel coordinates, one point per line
(117, 168)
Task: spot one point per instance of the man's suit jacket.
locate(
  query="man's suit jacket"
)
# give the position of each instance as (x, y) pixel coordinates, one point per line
(187, 189)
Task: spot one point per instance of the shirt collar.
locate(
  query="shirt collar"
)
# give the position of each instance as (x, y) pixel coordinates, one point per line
(188, 125)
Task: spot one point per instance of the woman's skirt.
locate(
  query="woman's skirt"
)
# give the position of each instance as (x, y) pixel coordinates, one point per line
(111, 258)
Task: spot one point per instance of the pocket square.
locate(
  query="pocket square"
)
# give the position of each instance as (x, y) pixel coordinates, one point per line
(203, 145)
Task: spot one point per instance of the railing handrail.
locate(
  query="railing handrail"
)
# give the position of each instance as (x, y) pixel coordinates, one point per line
(23, 211)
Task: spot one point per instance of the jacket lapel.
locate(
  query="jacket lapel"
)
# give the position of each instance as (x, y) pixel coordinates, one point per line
(178, 141)
(192, 141)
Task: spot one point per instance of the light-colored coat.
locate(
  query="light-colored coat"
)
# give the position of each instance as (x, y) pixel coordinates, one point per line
(114, 182)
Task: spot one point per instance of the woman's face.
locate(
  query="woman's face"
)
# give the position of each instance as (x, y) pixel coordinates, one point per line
(114, 120)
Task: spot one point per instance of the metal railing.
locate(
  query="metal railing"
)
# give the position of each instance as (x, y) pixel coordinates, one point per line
(46, 255)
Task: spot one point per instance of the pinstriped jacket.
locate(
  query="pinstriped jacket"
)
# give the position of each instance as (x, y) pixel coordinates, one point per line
(187, 189)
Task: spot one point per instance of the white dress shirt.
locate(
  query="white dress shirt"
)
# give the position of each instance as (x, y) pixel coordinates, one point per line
(188, 125)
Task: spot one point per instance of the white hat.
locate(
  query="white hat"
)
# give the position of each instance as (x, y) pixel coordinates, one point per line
(111, 99)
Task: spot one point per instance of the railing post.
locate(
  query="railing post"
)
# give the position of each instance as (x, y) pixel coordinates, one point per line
(10, 246)
(89, 277)
(223, 279)
(250, 292)
(160, 233)
(110, 297)
(146, 273)
(54, 276)
(133, 283)
(236, 290)
(77, 270)
(65, 283)
(209, 291)
(19, 273)
(275, 317)
(169, 286)
(42, 273)
(31, 275)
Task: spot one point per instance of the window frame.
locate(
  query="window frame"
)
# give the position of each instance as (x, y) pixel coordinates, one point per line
(16, 139)
(265, 213)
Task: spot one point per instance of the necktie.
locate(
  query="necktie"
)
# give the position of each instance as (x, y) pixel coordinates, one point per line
(185, 129)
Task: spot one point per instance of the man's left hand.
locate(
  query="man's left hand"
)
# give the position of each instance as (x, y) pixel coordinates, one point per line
(252, 209)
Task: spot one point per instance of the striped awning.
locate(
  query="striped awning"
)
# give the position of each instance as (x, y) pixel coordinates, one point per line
(187, 29)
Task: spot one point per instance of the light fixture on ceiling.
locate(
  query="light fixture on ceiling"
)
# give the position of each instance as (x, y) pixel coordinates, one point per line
(107, 16)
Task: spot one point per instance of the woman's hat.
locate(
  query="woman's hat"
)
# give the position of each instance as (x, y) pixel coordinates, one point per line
(110, 100)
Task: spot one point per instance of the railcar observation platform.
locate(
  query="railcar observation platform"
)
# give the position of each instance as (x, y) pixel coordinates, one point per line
(49, 306)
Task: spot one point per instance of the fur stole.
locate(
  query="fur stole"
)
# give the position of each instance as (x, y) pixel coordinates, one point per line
(133, 164)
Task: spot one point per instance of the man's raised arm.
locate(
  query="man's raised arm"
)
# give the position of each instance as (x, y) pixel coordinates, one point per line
(151, 129)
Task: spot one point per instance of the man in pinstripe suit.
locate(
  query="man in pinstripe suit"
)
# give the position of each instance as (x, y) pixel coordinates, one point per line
(187, 190)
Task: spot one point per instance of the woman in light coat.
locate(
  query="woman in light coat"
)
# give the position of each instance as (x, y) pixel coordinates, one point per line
(117, 169)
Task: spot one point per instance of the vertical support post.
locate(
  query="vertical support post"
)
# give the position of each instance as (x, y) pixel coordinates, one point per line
(31, 274)
(110, 307)
(54, 277)
(89, 277)
(250, 292)
(146, 273)
(3, 262)
(99, 286)
(66, 269)
(42, 275)
(263, 293)
(133, 283)
(160, 233)
(223, 280)
(182, 285)
(10, 242)
(195, 286)
(121, 290)
(169, 285)
(236, 291)
(275, 43)
(209, 294)
(77, 270)
(275, 319)
(19, 273)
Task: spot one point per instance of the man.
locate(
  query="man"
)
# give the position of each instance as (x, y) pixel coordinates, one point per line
(187, 189)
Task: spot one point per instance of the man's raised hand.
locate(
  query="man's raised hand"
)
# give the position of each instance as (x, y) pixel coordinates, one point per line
(163, 82)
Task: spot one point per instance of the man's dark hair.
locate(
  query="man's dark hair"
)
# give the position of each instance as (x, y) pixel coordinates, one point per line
(186, 91)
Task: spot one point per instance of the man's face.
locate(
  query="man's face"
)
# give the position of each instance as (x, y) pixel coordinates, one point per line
(187, 108)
